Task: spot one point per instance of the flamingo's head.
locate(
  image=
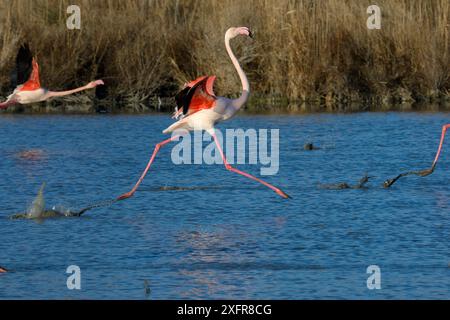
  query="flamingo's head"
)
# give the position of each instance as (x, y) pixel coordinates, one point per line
(95, 83)
(234, 32)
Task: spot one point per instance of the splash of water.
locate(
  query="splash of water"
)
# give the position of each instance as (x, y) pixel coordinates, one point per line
(62, 210)
(37, 207)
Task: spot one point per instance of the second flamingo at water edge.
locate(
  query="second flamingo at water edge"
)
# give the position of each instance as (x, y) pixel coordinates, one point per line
(200, 109)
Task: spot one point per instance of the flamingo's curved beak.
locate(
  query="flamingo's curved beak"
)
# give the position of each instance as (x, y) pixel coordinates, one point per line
(250, 34)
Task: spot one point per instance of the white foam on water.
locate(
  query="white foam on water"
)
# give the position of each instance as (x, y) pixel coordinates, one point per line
(38, 205)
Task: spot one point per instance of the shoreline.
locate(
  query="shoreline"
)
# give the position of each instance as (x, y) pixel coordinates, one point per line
(85, 104)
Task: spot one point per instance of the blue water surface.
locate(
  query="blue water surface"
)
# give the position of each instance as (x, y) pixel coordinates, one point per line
(231, 238)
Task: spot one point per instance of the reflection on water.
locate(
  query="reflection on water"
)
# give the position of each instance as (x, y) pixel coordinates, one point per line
(199, 231)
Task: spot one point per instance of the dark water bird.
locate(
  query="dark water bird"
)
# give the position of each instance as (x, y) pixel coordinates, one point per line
(37, 210)
(309, 147)
(340, 186)
(28, 87)
(198, 108)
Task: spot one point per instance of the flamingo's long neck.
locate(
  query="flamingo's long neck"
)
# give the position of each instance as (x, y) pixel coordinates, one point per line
(239, 102)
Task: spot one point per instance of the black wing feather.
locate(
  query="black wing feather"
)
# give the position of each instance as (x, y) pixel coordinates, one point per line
(188, 97)
(24, 66)
(180, 97)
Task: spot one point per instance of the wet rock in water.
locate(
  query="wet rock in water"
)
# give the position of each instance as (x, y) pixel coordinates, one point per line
(310, 147)
(343, 185)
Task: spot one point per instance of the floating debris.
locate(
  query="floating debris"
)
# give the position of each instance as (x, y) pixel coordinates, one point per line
(341, 186)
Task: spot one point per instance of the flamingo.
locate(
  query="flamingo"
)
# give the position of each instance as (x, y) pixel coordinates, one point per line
(31, 91)
(198, 108)
(422, 173)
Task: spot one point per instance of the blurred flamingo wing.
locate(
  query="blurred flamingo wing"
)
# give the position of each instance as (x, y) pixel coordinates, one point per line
(33, 82)
(196, 96)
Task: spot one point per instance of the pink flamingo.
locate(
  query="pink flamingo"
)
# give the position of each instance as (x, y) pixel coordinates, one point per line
(31, 91)
(200, 109)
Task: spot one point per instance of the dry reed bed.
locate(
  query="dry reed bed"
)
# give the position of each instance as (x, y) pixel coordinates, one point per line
(304, 50)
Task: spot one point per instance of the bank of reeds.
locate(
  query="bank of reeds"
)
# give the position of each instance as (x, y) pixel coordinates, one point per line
(317, 51)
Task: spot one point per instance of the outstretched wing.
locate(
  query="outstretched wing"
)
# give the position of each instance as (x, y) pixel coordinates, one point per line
(25, 76)
(33, 82)
(24, 66)
(196, 95)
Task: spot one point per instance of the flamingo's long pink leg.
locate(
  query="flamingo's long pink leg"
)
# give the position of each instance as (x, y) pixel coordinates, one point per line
(441, 143)
(245, 174)
(155, 152)
(426, 172)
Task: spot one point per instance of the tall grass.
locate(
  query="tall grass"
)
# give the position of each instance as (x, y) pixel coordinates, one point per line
(304, 50)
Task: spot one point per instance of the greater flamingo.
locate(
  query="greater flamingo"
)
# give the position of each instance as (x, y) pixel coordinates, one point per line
(31, 91)
(200, 109)
(426, 172)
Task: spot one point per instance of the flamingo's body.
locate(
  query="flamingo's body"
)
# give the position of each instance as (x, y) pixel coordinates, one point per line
(32, 92)
(206, 114)
(200, 109)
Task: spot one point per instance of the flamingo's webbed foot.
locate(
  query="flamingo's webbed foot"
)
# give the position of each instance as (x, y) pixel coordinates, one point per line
(125, 196)
(282, 194)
